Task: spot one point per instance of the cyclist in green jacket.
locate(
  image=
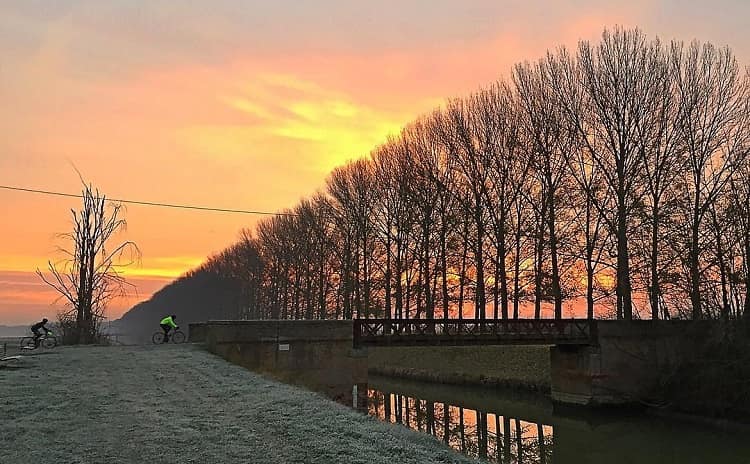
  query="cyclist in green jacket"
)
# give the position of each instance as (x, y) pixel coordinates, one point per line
(168, 324)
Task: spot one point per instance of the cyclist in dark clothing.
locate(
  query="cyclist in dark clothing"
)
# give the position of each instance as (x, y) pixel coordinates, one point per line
(36, 327)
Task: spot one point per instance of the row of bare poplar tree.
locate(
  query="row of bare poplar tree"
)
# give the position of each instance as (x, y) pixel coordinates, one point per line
(613, 181)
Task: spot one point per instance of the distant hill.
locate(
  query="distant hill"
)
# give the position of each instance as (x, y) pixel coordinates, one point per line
(13, 330)
(196, 297)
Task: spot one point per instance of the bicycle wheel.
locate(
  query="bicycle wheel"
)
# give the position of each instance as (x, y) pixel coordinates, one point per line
(49, 342)
(27, 343)
(178, 337)
(157, 338)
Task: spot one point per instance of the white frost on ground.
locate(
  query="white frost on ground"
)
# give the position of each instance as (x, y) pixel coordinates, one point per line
(136, 404)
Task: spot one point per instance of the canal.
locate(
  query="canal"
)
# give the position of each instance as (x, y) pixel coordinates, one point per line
(514, 428)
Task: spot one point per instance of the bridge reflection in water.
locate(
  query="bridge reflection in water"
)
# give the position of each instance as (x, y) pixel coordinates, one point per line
(515, 427)
(482, 434)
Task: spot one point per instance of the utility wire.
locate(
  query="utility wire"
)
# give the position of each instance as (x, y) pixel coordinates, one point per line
(148, 203)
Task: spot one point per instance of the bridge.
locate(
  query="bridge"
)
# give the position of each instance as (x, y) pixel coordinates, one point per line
(452, 332)
(592, 362)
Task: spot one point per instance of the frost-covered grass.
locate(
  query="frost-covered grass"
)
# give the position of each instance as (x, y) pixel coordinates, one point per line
(136, 404)
(9, 346)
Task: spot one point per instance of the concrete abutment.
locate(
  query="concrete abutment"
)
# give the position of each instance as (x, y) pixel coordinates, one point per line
(316, 354)
(626, 363)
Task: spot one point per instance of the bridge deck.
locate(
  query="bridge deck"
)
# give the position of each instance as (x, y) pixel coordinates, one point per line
(432, 332)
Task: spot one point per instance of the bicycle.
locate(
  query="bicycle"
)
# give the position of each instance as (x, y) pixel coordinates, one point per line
(47, 341)
(175, 337)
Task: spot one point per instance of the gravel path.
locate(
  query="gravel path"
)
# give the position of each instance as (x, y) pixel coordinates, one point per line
(137, 404)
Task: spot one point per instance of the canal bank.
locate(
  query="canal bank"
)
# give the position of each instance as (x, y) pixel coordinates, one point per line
(510, 366)
(181, 404)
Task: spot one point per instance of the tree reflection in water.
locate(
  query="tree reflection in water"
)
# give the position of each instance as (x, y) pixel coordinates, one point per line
(481, 434)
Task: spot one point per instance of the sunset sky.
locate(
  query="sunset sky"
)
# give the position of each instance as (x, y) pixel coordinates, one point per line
(246, 104)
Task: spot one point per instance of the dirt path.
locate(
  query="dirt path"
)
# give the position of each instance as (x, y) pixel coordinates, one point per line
(134, 404)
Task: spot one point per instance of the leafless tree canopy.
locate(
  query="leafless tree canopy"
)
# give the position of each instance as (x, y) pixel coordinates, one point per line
(90, 273)
(610, 181)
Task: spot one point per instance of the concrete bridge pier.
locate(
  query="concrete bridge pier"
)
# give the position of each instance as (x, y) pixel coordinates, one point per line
(625, 363)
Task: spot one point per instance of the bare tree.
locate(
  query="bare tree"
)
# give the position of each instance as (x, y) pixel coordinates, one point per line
(498, 113)
(608, 93)
(393, 220)
(739, 209)
(713, 123)
(90, 275)
(664, 159)
(550, 143)
(437, 166)
(461, 133)
(351, 190)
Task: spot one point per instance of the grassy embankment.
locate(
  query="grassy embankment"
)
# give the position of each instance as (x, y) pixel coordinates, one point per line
(136, 404)
(511, 366)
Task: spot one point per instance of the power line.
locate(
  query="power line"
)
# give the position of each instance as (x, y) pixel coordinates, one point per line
(148, 203)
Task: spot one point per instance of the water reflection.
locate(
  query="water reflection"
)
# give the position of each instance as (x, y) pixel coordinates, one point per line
(505, 427)
(486, 435)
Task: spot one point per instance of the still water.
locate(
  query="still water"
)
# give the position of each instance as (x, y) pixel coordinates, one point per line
(513, 428)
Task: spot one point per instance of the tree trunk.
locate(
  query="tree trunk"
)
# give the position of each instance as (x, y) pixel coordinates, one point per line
(517, 265)
(655, 287)
(695, 276)
(624, 289)
(444, 270)
(538, 259)
(428, 295)
(496, 287)
(480, 300)
(462, 277)
(388, 274)
(366, 270)
(503, 272)
(556, 290)
(722, 267)
(399, 284)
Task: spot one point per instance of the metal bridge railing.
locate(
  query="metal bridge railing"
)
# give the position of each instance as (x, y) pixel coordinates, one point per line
(472, 331)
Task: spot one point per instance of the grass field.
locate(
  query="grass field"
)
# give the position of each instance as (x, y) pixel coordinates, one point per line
(514, 366)
(137, 404)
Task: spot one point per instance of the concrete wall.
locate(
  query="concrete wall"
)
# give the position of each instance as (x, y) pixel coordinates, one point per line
(316, 354)
(626, 365)
(197, 332)
(508, 366)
